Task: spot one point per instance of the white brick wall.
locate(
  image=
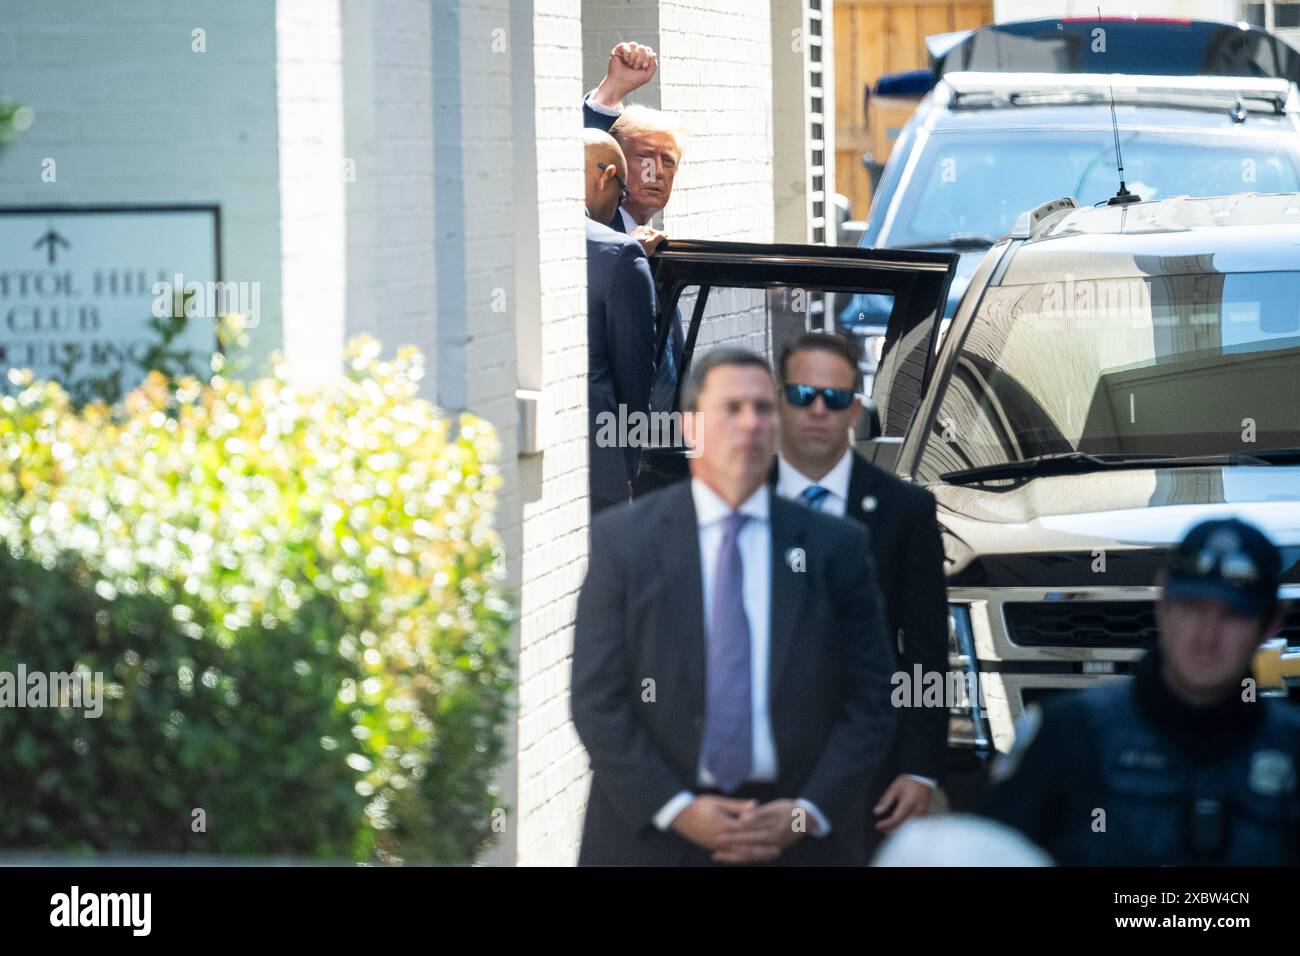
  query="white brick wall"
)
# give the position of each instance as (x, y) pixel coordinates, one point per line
(130, 114)
(551, 763)
(715, 72)
(607, 23)
(388, 88)
(715, 66)
(313, 247)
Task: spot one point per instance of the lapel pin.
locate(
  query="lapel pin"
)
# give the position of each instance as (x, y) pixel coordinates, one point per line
(869, 504)
(796, 559)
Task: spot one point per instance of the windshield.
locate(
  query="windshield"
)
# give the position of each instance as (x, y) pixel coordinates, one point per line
(976, 183)
(1165, 365)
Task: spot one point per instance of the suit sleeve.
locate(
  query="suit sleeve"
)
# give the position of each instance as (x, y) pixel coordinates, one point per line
(604, 692)
(923, 731)
(596, 119)
(630, 332)
(862, 738)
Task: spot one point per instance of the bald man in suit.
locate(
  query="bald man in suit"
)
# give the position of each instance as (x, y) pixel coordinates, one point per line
(620, 326)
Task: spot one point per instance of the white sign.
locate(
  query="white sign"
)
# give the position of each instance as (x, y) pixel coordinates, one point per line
(79, 288)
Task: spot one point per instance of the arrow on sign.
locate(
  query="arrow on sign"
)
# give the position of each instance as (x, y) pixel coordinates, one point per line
(52, 240)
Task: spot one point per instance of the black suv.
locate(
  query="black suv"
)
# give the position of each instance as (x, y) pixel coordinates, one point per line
(1112, 376)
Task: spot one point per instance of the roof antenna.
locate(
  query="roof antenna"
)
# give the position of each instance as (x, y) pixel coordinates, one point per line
(1123, 197)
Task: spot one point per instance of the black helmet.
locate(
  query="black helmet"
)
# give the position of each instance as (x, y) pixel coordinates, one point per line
(1229, 561)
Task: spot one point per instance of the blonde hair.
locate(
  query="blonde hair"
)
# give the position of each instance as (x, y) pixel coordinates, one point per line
(638, 120)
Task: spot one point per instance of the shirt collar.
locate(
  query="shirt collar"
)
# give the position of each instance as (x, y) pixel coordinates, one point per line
(711, 508)
(792, 482)
(628, 222)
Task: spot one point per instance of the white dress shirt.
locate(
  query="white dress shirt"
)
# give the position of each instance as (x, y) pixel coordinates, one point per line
(790, 483)
(755, 544)
(600, 108)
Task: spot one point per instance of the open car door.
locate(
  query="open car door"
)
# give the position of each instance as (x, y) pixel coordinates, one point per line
(759, 296)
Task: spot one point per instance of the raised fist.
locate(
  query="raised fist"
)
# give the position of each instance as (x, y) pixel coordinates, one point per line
(631, 65)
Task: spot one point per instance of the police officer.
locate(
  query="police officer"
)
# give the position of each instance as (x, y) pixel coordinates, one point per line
(1182, 766)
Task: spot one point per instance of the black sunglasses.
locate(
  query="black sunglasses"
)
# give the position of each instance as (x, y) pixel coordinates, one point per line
(623, 193)
(836, 399)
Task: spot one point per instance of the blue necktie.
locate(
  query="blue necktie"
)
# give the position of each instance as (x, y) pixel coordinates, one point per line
(814, 496)
(728, 744)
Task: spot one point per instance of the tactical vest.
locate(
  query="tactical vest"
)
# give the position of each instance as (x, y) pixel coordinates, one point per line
(1161, 806)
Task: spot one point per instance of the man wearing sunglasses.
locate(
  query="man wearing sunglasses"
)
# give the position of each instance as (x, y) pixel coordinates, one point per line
(818, 408)
(1184, 765)
(620, 327)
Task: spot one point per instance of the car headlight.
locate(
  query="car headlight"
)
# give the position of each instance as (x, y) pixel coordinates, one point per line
(960, 639)
(967, 723)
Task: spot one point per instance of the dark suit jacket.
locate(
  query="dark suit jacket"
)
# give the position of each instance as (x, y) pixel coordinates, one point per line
(640, 617)
(908, 550)
(620, 353)
(594, 120)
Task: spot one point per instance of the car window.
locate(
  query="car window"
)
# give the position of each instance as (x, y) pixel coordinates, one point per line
(1173, 365)
(761, 320)
(978, 183)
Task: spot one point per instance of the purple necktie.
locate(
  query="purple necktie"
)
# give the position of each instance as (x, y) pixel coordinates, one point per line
(728, 747)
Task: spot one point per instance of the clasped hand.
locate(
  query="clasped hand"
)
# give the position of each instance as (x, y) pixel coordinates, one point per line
(742, 831)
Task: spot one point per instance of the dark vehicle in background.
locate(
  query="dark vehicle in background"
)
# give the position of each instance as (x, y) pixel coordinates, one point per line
(1113, 376)
(1138, 46)
(1034, 123)
(985, 146)
(1155, 46)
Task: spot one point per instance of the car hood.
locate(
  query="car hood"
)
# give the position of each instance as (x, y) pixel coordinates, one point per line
(1106, 529)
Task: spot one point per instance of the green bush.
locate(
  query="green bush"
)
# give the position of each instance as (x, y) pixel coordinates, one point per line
(294, 597)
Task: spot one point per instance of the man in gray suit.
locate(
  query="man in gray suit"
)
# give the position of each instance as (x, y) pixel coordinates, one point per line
(620, 328)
